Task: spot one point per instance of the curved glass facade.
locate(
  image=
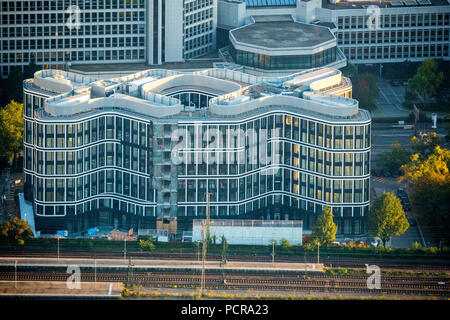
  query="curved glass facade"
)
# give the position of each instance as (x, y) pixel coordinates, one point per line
(102, 165)
(266, 62)
(113, 167)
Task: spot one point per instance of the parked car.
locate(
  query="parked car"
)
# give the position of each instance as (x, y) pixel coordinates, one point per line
(395, 83)
(374, 241)
(406, 206)
(386, 173)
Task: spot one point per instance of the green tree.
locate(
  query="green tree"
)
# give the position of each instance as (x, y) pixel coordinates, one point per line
(15, 231)
(224, 250)
(28, 72)
(394, 159)
(324, 230)
(13, 85)
(11, 130)
(366, 91)
(427, 79)
(387, 218)
(429, 180)
(349, 70)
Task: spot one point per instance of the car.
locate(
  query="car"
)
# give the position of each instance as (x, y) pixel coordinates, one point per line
(412, 222)
(395, 83)
(377, 173)
(374, 241)
(405, 83)
(386, 173)
(395, 174)
(400, 191)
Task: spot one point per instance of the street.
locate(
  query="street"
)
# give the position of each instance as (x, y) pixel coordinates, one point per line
(390, 100)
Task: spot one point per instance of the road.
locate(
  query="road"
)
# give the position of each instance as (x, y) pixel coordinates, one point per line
(385, 134)
(390, 100)
(406, 240)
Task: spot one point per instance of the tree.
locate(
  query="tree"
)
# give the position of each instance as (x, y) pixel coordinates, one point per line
(224, 250)
(425, 144)
(429, 180)
(15, 231)
(29, 70)
(349, 70)
(147, 245)
(394, 159)
(11, 130)
(14, 87)
(365, 90)
(426, 81)
(324, 230)
(387, 218)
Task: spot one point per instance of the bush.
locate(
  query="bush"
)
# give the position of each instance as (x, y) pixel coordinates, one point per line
(147, 245)
(285, 244)
(306, 239)
(309, 246)
(416, 246)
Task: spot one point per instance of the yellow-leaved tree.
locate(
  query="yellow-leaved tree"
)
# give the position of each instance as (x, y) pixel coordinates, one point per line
(11, 130)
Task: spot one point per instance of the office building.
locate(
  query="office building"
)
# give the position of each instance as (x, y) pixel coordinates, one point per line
(146, 149)
(60, 33)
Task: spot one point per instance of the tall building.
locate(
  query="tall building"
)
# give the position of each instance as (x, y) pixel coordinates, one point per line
(144, 150)
(55, 33)
(366, 31)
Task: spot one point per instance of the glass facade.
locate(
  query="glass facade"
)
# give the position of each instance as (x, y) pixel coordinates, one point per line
(266, 62)
(115, 168)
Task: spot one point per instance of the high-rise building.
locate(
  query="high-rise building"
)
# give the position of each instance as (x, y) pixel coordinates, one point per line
(56, 33)
(144, 150)
(366, 31)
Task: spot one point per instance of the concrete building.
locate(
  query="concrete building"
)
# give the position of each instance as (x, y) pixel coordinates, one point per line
(56, 33)
(366, 31)
(277, 44)
(142, 151)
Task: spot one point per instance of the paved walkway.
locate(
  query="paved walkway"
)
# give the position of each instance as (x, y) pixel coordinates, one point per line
(52, 289)
(169, 264)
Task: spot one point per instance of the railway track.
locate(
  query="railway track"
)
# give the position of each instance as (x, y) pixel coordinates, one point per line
(318, 283)
(433, 264)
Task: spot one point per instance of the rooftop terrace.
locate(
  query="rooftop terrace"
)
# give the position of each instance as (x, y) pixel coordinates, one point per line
(237, 93)
(282, 34)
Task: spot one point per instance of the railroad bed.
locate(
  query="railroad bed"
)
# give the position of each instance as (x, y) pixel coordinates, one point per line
(422, 264)
(157, 264)
(310, 282)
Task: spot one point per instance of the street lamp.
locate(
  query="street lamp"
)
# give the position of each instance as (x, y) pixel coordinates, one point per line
(15, 274)
(125, 249)
(273, 252)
